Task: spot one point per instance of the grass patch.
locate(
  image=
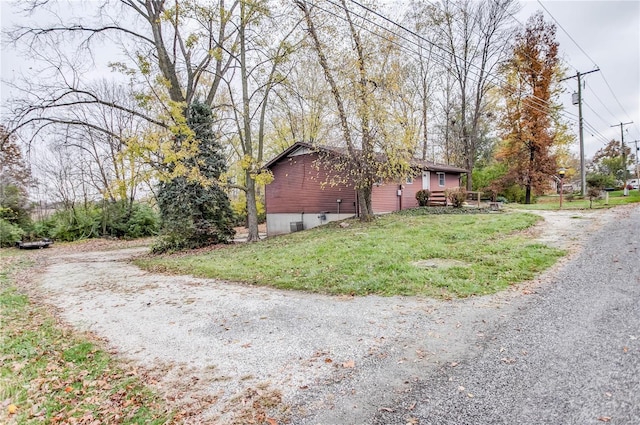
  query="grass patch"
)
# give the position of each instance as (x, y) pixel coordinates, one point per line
(380, 257)
(49, 374)
(552, 202)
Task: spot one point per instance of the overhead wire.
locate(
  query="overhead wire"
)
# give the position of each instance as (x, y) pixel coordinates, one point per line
(541, 103)
(604, 122)
(567, 33)
(603, 105)
(604, 140)
(593, 61)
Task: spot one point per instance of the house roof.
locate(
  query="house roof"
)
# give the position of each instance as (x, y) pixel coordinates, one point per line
(415, 163)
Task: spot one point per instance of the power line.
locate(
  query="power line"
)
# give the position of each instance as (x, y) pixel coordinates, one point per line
(594, 112)
(542, 103)
(567, 33)
(591, 59)
(583, 171)
(616, 98)
(405, 48)
(606, 108)
(604, 140)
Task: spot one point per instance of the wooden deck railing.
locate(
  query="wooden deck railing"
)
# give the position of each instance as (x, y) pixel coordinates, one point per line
(438, 198)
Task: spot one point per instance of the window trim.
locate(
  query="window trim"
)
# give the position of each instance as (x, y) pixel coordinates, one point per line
(442, 179)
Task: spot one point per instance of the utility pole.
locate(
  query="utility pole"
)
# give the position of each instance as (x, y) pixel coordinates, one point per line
(583, 173)
(624, 154)
(637, 167)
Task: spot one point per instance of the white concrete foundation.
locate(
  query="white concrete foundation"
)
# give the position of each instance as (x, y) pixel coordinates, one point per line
(279, 224)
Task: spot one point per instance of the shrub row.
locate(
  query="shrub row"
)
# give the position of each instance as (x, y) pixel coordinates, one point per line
(115, 219)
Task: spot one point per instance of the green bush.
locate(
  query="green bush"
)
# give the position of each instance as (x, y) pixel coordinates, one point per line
(76, 224)
(9, 233)
(121, 220)
(515, 193)
(600, 181)
(422, 196)
(484, 178)
(115, 219)
(42, 229)
(143, 222)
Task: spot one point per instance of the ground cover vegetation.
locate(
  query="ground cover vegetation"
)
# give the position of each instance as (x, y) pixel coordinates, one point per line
(51, 374)
(482, 253)
(576, 202)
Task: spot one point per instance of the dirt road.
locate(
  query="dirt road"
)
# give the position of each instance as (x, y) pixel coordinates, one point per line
(230, 353)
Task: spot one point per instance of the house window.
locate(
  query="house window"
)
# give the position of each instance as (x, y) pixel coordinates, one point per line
(441, 179)
(409, 180)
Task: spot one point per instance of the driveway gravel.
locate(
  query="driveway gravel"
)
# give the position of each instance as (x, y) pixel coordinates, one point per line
(561, 349)
(569, 354)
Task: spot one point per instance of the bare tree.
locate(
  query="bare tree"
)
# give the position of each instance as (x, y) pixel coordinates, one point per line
(423, 20)
(477, 38)
(266, 39)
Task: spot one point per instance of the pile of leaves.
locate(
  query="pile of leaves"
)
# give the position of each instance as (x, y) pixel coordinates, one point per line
(50, 374)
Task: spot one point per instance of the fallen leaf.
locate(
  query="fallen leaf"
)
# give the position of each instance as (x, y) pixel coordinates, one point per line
(625, 349)
(328, 360)
(68, 390)
(272, 421)
(604, 418)
(349, 364)
(386, 409)
(453, 364)
(12, 409)
(470, 395)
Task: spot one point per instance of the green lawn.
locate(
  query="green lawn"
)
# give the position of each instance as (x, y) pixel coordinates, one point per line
(379, 257)
(51, 374)
(552, 202)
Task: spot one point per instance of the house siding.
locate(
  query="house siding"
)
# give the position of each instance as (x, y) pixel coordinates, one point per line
(301, 194)
(299, 186)
(409, 192)
(384, 198)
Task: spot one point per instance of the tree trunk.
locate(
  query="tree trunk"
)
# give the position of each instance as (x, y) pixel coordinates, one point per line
(532, 156)
(252, 208)
(366, 210)
(247, 138)
(425, 127)
(470, 165)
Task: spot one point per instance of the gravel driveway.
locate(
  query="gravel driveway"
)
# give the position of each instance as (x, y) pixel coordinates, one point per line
(230, 353)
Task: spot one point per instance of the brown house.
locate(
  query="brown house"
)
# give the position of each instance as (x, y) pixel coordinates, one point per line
(302, 195)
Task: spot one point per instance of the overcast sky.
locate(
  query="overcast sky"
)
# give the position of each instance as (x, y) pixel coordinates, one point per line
(609, 34)
(606, 35)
